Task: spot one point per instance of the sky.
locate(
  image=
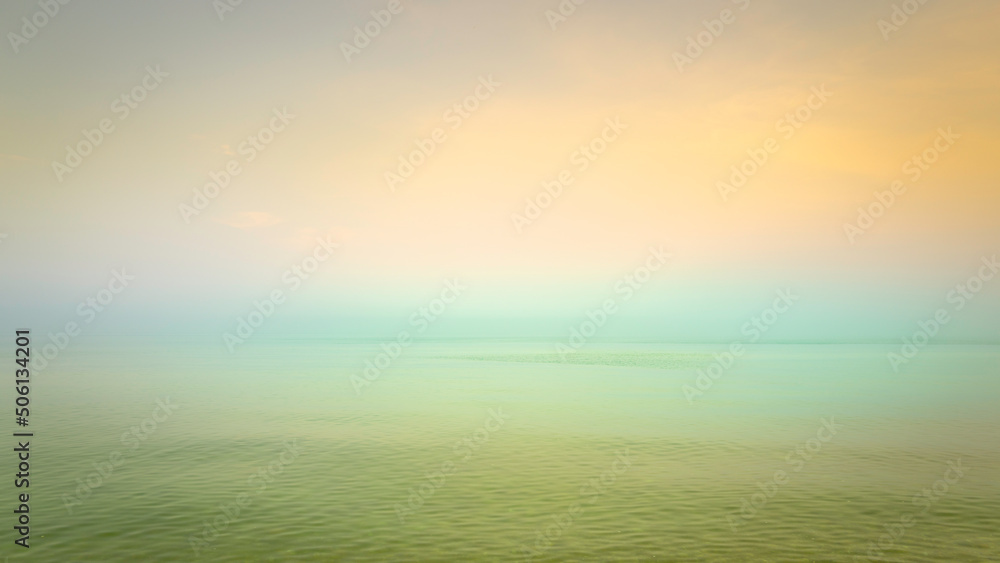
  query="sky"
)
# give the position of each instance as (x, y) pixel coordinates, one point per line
(210, 78)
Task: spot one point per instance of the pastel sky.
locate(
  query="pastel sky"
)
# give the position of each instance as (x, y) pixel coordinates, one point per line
(655, 185)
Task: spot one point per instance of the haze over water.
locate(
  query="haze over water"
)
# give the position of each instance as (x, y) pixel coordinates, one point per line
(546, 280)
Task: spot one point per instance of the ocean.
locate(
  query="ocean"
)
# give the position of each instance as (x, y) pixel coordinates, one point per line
(505, 450)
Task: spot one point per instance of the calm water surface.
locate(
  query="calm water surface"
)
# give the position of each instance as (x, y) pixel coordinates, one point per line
(496, 451)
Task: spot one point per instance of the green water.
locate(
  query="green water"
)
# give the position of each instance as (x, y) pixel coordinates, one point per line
(354, 486)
